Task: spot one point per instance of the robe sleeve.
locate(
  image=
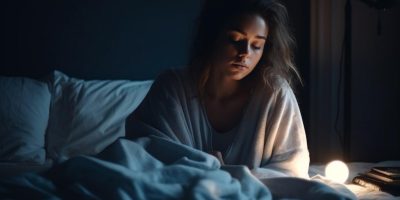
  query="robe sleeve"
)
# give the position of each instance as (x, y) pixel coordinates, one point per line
(285, 149)
(161, 113)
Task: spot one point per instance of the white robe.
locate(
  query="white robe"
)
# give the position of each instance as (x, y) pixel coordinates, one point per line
(270, 137)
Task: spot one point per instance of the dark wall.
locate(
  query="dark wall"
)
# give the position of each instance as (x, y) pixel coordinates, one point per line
(375, 84)
(133, 39)
(120, 39)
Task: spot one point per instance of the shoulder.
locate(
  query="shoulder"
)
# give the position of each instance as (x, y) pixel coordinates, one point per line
(278, 87)
(172, 76)
(168, 75)
(172, 81)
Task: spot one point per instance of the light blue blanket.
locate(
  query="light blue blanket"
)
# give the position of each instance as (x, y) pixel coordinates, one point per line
(144, 169)
(155, 168)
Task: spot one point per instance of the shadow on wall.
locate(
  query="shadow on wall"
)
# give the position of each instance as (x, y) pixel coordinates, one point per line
(123, 39)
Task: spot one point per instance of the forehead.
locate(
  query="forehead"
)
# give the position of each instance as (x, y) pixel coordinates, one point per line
(252, 24)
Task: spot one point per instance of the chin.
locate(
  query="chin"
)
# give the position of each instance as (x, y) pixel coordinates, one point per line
(237, 76)
(235, 73)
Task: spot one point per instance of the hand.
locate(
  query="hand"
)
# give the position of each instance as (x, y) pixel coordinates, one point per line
(218, 155)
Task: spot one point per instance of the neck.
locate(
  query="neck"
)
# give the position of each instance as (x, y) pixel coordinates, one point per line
(221, 88)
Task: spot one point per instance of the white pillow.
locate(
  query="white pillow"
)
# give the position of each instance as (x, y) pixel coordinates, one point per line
(87, 116)
(24, 113)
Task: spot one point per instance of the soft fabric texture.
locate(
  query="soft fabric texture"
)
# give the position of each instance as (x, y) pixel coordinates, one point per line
(317, 172)
(15, 168)
(296, 188)
(270, 138)
(86, 116)
(24, 113)
(139, 169)
(143, 169)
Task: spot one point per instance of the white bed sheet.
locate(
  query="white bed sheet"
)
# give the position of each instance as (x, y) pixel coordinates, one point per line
(318, 171)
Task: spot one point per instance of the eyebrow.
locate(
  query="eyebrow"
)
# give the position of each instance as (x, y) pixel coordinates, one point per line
(242, 32)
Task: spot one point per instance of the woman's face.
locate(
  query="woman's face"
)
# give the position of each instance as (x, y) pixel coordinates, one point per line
(240, 47)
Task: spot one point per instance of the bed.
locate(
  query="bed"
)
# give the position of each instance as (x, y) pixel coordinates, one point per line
(318, 170)
(63, 138)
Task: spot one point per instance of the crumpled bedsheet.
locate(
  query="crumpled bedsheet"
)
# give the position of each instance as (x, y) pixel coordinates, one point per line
(154, 168)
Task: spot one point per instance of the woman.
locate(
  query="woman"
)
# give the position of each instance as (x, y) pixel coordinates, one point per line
(235, 99)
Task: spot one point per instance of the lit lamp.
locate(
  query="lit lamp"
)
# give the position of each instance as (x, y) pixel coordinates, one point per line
(337, 171)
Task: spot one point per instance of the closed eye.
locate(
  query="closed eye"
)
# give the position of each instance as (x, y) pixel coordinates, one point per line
(257, 45)
(237, 39)
(234, 40)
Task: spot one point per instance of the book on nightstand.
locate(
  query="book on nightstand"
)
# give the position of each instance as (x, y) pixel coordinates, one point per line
(385, 179)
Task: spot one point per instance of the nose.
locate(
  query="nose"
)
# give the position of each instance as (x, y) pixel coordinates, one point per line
(243, 49)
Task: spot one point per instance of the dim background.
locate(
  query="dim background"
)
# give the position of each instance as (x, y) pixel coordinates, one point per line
(138, 39)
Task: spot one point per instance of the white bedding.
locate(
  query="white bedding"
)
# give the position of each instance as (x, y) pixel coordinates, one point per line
(315, 171)
(12, 169)
(142, 169)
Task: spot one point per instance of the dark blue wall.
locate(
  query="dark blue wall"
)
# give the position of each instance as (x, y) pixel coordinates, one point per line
(375, 84)
(119, 39)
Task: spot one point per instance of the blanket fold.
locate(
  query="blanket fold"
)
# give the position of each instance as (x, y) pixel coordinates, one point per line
(139, 169)
(143, 169)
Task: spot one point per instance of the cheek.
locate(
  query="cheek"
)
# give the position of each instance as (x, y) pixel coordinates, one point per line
(222, 55)
(225, 48)
(256, 58)
(228, 50)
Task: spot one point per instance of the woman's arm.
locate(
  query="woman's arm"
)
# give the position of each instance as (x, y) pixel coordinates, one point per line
(160, 113)
(285, 149)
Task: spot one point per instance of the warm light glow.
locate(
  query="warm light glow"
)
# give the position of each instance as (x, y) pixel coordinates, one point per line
(337, 171)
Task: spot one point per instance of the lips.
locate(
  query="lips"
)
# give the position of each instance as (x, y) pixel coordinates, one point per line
(239, 65)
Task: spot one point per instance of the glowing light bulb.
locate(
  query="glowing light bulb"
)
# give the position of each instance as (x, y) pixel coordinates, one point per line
(337, 171)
